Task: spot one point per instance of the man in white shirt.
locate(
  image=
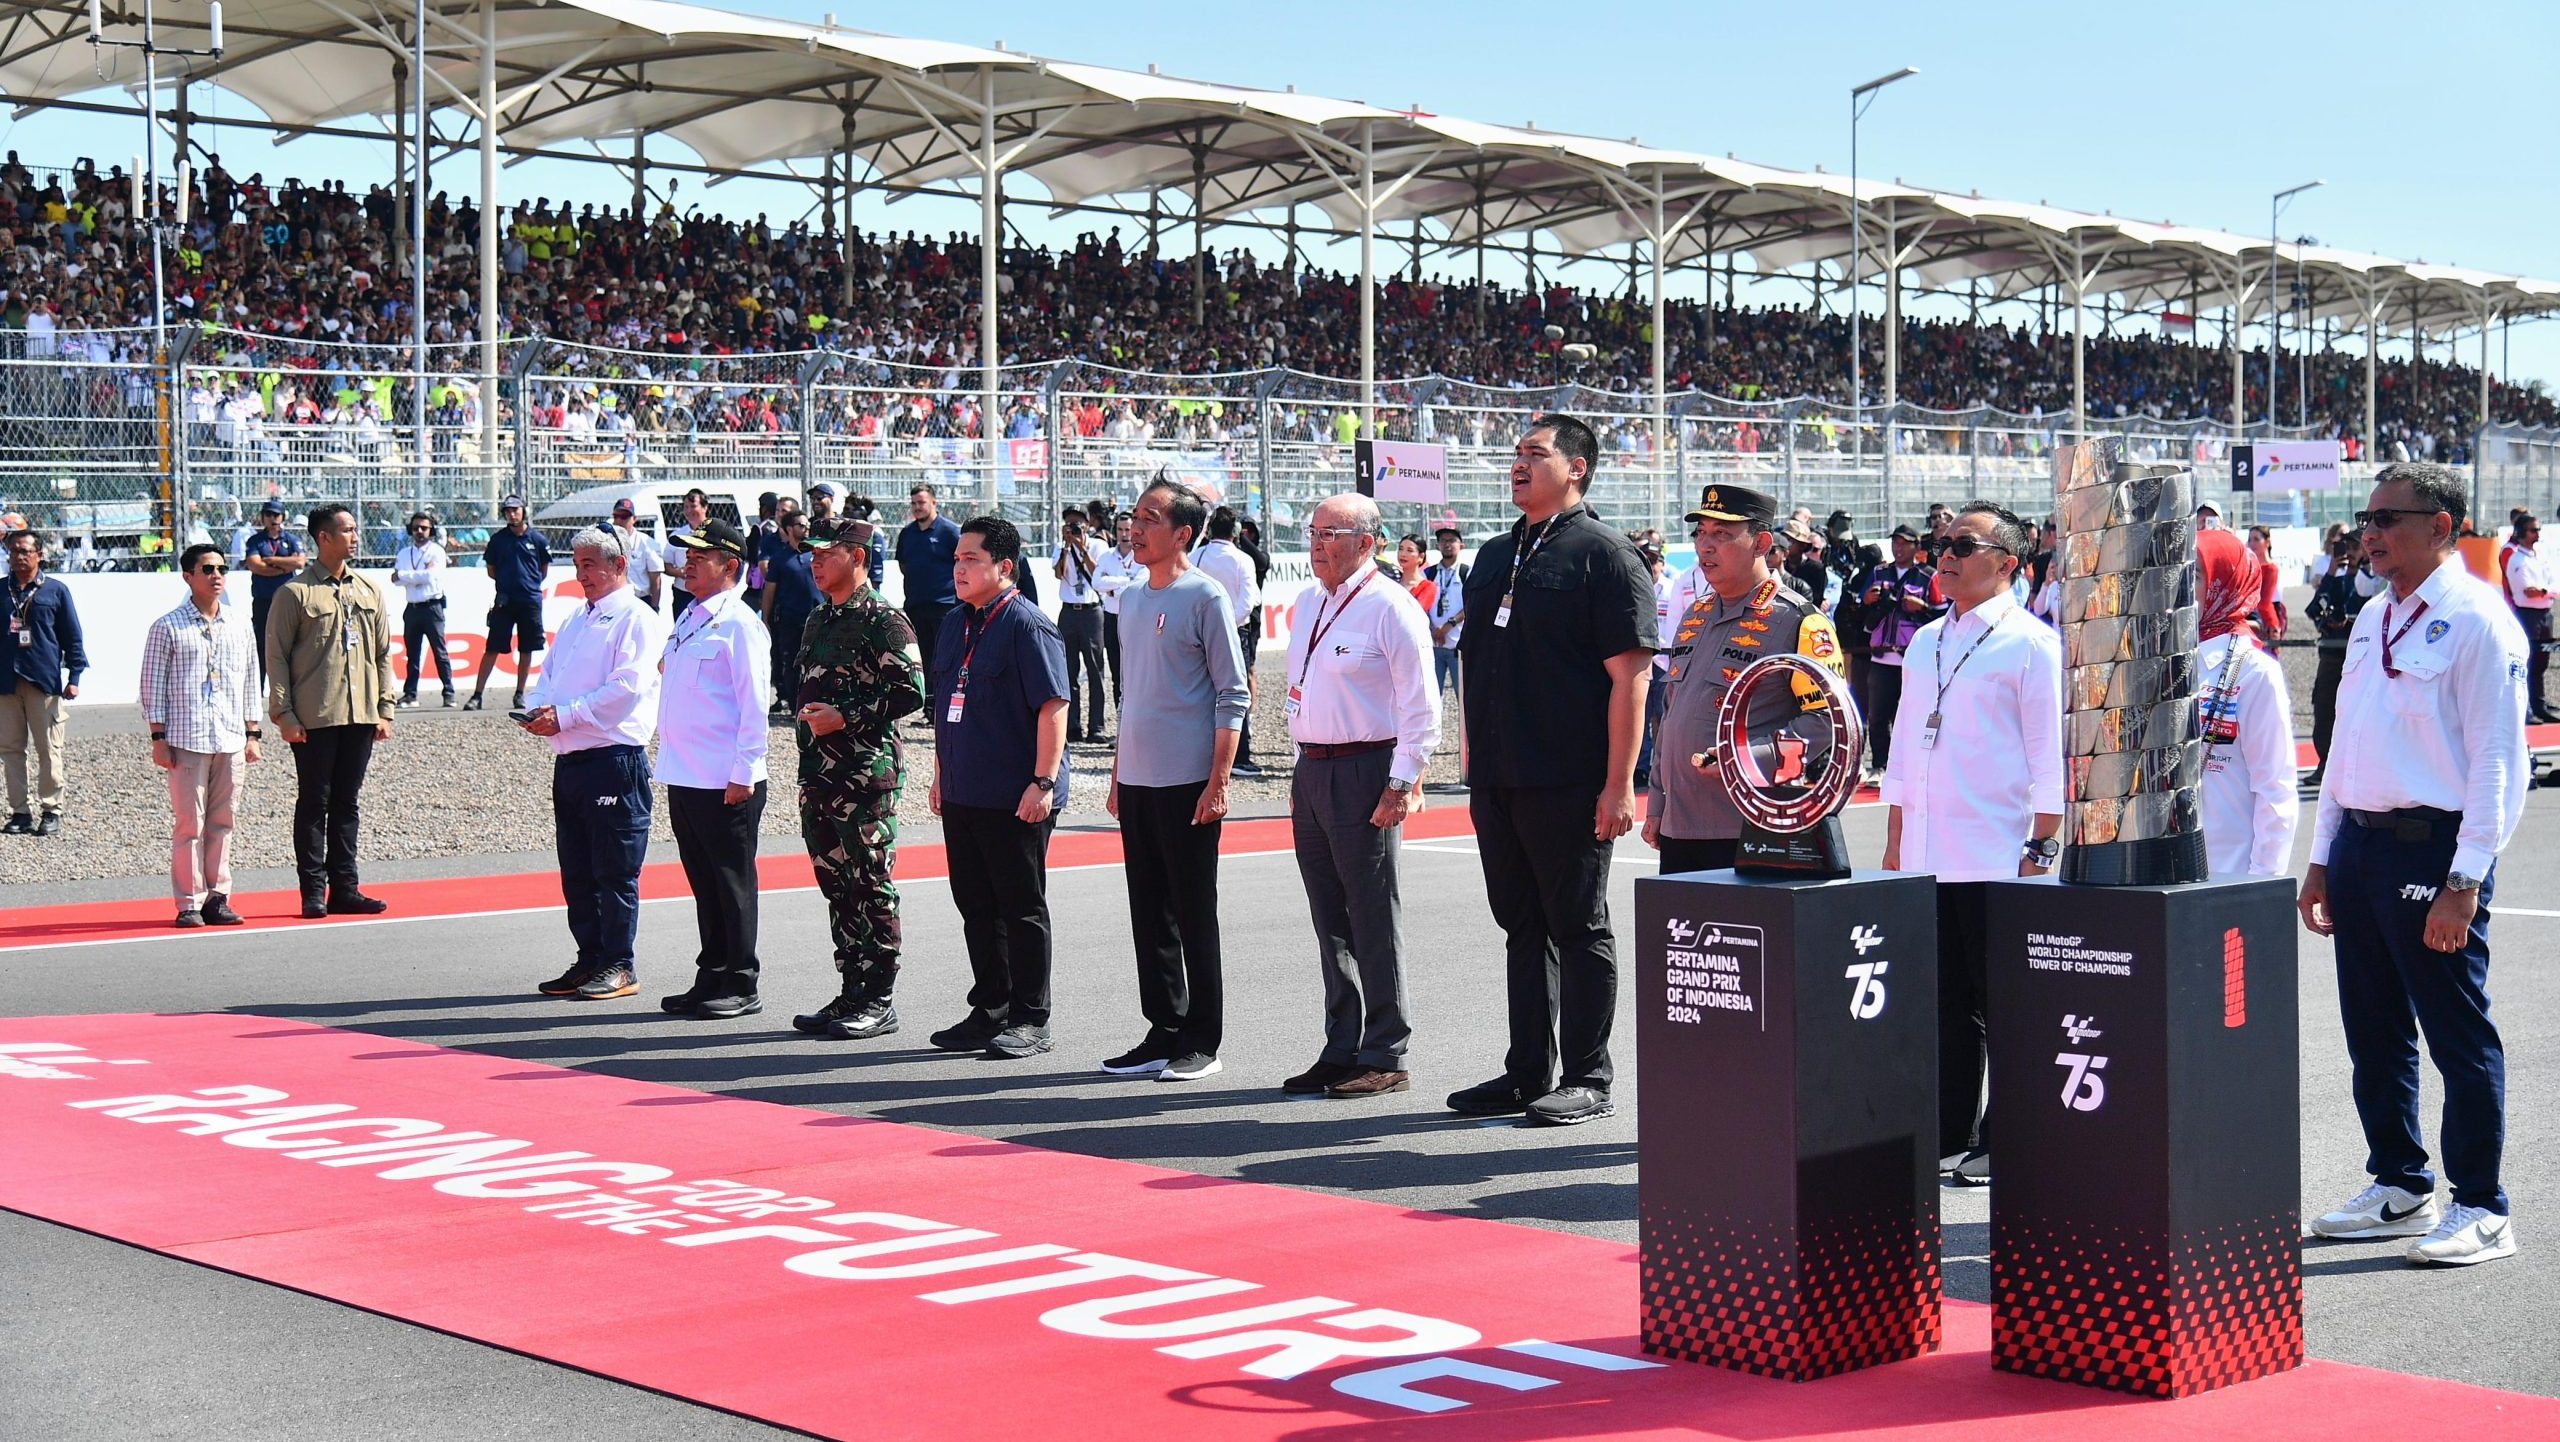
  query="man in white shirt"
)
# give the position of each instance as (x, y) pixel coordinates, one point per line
(597, 703)
(1365, 714)
(2425, 784)
(1448, 617)
(1119, 569)
(1223, 561)
(419, 570)
(1974, 789)
(648, 565)
(711, 742)
(1078, 569)
(199, 689)
(2528, 585)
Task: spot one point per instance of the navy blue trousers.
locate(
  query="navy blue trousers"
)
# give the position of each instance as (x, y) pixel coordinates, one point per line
(600, 810)
(2392, 988)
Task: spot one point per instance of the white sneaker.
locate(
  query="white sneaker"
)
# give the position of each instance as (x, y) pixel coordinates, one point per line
(2466, 1235)
(2379, 1211)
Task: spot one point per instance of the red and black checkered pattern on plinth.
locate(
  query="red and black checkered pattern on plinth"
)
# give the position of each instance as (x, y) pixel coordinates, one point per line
(1862, 1291)
(2075, 1304)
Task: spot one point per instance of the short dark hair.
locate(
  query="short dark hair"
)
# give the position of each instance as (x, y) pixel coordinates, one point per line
(920, 488)
(322, 515)
(187, 559)
(427, 516)
(697, 493)
(1186, 508)
(1222, 523)
(2438, 485)
(1003, 542)
(2007, 528)
(2524, 522)
(1574, 439)
(30, 537)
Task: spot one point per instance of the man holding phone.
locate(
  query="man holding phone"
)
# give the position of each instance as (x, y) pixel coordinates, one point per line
(597, 704)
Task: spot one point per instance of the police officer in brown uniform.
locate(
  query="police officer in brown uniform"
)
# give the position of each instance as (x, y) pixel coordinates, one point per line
(1743, 612)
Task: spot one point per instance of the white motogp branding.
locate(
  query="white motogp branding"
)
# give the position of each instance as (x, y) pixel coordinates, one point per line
(820, 1239)
(1866, 989)
(2083, 1090)
(51, 1060)
(1865, 938)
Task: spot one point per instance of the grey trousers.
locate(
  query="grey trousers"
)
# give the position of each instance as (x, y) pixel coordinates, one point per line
(1349, 868)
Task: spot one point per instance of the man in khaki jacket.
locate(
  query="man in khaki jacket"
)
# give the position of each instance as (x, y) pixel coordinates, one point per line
(329, 691)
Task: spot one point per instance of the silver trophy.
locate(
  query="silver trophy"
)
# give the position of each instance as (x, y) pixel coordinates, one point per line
(2133, 754)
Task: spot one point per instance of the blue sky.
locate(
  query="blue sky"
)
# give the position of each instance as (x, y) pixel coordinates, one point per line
(2433, 126)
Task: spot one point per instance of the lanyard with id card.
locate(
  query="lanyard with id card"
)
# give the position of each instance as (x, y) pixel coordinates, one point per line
(1937, 708)
(1315, 638)
(960, 688)
(1528, 552)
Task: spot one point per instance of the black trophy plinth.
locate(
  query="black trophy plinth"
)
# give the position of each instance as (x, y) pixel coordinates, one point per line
(1787, 1144)
(1818, 853)
(2146, 1134)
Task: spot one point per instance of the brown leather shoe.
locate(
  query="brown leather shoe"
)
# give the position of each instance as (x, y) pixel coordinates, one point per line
(1371, 1082)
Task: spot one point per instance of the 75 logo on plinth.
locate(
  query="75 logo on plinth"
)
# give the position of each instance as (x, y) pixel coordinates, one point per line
(1866, 992)
(2083, 1090)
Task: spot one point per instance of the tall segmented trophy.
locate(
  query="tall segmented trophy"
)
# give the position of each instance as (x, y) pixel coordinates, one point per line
(2133, 754)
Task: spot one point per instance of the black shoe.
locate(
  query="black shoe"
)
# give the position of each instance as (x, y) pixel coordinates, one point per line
(608, 982)
(722, 1008)
(1972, 1170)
(20, 824)
(567, 982)
(683, 1002)
(351, 902)
(313, 908)
(50, 824)
(850, 1018)
(1496, 1098)
(1190, 1066)
(1016, 1042)
(970, 1033)
(410, 699)
(1144, 1059)
(448, 700)
(189, 917)
(1571, 1106)
(218, 912)
(1315, 1079)
(1249, 769)
(474, 703)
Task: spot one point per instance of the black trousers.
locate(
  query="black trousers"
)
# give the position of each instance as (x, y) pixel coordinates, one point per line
(259, 606)
(1172, 867)
(1081, 628)
(1882, 696)
(1111, 653)
(926, 618)
(422, 632)
(328, 773)
(1000, 881)
(600, 810)
(1681, 854)
(786, 657)
(2537, 634)
(1248, 640)
(1548, 883)
(2332, 668)
(1963, 1041)
(717, 844)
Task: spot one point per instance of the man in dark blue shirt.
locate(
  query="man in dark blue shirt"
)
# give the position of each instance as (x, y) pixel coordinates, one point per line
(41, 658)
(519, 560)
(790, 594)
(998, 699)
(926, 547)
(272, 556)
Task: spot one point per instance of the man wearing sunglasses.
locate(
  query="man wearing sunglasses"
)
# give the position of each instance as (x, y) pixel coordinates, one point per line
(2424, 785)
(1974, 789)
(199, 694)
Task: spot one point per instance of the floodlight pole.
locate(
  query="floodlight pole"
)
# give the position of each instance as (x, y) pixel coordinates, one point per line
(147, 215)
(1859, 99)
(2275, 311)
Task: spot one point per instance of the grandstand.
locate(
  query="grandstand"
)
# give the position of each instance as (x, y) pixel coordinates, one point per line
(649, 344)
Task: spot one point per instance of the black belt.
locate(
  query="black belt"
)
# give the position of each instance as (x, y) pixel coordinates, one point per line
(1329, 751)
(2409, 823)
(1078, 605)
(600, 753)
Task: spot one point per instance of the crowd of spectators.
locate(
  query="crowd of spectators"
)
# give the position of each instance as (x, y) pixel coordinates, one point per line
(319, 271)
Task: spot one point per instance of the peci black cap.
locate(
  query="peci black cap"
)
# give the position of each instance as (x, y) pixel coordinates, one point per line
(1734, 503)
(715, 536)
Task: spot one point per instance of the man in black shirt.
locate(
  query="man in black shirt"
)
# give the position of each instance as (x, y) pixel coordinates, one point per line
(1556, 655)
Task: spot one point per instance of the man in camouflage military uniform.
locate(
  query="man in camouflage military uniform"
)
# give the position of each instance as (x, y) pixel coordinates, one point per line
(857, 673)
(1744, 610)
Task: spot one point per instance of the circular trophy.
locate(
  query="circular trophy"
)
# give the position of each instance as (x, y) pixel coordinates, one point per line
(1787, 746)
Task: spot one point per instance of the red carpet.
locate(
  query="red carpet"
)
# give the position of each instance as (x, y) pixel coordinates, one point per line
(104, 921)
(861, 1279)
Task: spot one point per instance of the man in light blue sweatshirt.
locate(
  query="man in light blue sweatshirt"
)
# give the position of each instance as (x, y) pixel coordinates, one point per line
(1183, 701)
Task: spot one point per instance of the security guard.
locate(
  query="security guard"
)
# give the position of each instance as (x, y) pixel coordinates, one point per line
(858, 673)
(2425, 784)
(1743, 612)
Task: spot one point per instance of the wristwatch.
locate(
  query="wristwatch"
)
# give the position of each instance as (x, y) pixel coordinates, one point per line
(1045, 783)
(2042, 850)
(1398, 787)
(2456, 881)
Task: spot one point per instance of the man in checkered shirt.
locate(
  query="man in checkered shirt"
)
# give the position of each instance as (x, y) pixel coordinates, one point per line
(199, 689)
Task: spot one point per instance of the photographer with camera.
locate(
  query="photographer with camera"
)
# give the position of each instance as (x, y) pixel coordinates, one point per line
(1078, 567)
(2344, 586)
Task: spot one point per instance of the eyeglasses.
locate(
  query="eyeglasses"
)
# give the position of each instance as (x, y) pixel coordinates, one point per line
(1336, 533)
(1964, 548)
(211, 570)
(2385, 517)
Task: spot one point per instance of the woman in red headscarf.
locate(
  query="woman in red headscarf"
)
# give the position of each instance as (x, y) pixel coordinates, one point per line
(2250, 792)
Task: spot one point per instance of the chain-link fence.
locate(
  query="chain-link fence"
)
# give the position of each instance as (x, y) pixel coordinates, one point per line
(100, 442)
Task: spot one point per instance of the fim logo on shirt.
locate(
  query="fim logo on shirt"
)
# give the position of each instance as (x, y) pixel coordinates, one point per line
(2417, 893)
